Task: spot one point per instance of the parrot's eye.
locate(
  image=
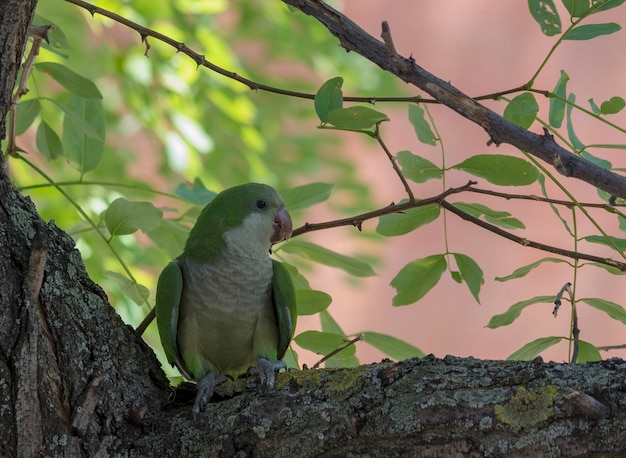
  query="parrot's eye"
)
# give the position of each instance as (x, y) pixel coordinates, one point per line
(261, 204)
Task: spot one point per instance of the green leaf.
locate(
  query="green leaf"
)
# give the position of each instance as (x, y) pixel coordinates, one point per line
(589, 31)
(134, 291)
(328, 98)
(327, 257)
(330, 325)
(197, 193)
(596, 160)
(576, 8)
(27, 112)
(523, 271)
(546, 15)
(578, 145)
(522, 110)
(557, 104)
(471, 273)
(606, 4)
(514, 311)
(497, 218)
(305, 196)
(613, 105)
(420, 125)
(612, 309)
(392, 346)
(355, 118)
(542, 183)
(125, 217)
(532, 349)
(407, 221)
(587, 352)
(170, 236)
(48, 142)
(595, 108)
(619, 243)
(311, 301)
(418, 169)
(417, 278)
(323, 343)
(71, 81)
(84, 151)
(500, 169)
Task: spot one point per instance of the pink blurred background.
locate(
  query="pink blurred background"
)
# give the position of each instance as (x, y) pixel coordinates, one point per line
(480, 47)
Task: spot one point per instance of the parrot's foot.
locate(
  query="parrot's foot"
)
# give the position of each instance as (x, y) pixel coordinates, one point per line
(267, 372)
(206, 386)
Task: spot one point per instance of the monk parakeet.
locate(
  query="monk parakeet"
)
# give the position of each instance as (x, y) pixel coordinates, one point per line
(224, 305)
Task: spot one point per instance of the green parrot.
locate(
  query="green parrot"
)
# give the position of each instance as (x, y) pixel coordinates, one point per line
(224, 306)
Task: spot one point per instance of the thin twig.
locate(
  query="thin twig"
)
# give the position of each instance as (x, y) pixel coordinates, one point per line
(357, 220)
(529, 243)
(337, 350)
(394, 163)
(200, 60)
(39, 34)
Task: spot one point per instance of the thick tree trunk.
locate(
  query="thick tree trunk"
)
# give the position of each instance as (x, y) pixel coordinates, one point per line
(76, 381)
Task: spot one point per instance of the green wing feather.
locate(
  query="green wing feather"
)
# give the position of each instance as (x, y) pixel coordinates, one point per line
(284, 296)
(169, 290)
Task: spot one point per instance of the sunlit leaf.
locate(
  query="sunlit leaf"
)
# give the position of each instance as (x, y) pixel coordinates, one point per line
(170, 236)
(523, 271)
(355, 118)
(393, 347)
(125, 217)
(27, 112)
(327, 257)
(471, 272)
(557, 104)
(83, 150)
(311, 301)
(70, 80)
(612, 309)
(417, 278)
(589, 31)
(416, 168)
(420, 125)
(197, 193)
(532, 349)
(48, 142)
(522, 110)
(134, 291)
(305, 196)
(514, 311)
(328, 98)
(546, 15)
(500, 169)
(407, 221)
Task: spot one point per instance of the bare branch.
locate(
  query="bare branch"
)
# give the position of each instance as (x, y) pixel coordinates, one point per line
(500, 130)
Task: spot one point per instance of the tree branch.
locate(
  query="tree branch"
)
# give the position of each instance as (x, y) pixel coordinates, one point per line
(500, 130)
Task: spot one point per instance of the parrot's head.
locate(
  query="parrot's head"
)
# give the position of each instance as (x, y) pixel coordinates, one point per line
(252, 216)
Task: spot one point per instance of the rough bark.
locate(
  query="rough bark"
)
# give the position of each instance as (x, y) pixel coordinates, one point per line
(76, 381)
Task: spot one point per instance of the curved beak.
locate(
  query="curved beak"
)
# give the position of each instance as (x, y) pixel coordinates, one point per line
(282, 226)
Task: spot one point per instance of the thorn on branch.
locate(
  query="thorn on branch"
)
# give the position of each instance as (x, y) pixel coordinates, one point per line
(391, 49)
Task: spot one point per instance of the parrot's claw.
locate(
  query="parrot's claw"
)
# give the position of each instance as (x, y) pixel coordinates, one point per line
(267, 372)
(205, 387)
